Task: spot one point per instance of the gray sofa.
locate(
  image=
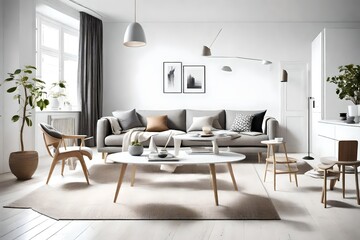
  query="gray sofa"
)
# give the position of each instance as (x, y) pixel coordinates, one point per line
(181, 120)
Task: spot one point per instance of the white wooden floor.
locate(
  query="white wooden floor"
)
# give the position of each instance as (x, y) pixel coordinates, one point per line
(302, 216)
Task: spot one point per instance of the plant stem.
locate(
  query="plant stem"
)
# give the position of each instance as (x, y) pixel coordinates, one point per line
(23, 120)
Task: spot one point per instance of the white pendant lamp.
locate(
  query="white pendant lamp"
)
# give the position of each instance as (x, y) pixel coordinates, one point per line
(134, 34)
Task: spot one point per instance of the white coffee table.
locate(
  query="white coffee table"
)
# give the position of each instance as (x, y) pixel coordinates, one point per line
(184, 159)
(192, 137)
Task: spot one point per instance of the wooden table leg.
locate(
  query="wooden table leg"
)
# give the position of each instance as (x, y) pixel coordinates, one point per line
(133, 172)
(121, 177)
(214, 184)
(232, 176)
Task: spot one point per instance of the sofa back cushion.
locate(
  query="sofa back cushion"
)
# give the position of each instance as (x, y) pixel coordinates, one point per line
(127, 119)
(216, 114)
(257, 121)
(175, 118)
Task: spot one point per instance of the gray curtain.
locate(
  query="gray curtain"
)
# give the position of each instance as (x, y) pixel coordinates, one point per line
(90, 75)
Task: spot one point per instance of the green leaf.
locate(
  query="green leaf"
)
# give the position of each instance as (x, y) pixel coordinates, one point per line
(62, 85)
(10, 90)
(15, 118)
(29, 66)
(38, 80)
(28, 121)
(9, 79)
(17, 71)
(28, 71)
(25, 78)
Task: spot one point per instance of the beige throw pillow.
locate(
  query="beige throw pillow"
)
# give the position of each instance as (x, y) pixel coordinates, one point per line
(157, 123)
(199, 122)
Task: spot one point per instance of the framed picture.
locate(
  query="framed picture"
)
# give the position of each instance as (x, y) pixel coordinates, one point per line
(172, 77)
(194, 79)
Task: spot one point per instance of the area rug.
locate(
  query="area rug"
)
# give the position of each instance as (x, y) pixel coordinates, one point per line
(185, 194)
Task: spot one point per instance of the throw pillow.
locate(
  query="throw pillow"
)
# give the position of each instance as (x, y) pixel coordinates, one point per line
(199, 122)
(242, 123)
(256, 125)
(157, 123)
(127, 119)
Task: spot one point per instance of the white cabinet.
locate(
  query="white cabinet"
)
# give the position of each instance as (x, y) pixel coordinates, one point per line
(330, 132)
(329, 50)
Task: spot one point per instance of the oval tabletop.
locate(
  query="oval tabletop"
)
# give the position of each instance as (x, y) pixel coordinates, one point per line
(197, 137)
(183, 158)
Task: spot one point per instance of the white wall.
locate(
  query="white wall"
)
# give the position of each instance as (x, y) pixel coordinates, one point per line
(19, 50)
(133, 76)
(1, 89)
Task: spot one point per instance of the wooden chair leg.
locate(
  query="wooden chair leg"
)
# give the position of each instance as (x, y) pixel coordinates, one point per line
(322, 195)
(53, 164)
(133, 173)
(332, 184)
(266, 169)
(343, 180)
(357, 185)
(83, 165)
(296, 181)
(325, 180)
(62, 167)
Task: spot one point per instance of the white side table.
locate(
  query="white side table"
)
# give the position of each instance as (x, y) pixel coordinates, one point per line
(289, 163)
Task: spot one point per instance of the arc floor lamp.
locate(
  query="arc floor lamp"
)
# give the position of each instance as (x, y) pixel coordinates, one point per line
(207, 53)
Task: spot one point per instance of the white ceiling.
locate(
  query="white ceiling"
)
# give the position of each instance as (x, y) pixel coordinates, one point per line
(223, 10)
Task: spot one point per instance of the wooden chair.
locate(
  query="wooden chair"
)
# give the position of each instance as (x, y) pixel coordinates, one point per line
(57, 149)
(347, 156)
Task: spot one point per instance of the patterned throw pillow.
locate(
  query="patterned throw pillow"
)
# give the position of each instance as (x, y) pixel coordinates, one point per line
(242, 123)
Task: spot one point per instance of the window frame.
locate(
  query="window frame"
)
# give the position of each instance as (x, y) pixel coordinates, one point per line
(60, 53)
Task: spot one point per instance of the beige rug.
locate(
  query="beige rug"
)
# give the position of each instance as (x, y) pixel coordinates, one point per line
(185, 194)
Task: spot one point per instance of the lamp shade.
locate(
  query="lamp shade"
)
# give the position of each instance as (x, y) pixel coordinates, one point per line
(206, 51)
(226, 69)
(134, 35)
(284, 76)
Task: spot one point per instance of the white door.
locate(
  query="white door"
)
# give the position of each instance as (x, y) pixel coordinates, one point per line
(294, 101)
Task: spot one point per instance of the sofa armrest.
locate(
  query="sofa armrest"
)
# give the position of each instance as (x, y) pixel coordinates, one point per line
(103, 129)
(271, 127)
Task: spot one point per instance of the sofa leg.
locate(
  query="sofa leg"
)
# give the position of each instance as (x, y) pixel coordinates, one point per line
(259, 157)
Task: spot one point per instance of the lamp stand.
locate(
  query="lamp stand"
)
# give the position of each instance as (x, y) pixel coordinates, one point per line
(308, 157)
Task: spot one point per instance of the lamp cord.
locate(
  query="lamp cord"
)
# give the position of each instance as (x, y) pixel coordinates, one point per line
(215, 37)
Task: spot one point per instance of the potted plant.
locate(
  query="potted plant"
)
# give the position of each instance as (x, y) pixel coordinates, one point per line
(28, 92)
(56, 92)
(348, 86)
(136, 149)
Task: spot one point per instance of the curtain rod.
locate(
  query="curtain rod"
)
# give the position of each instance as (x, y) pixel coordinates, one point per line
(79, 4)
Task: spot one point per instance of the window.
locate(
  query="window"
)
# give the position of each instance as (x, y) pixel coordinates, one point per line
(57, 59)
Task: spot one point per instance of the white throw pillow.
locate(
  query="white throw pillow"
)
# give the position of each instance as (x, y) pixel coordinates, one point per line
(200, 122)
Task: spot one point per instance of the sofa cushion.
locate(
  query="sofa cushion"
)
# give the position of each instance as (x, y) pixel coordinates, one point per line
(245, 141)
(242, 123)
(219, 117)
(176, 118)
(256, 125)
(156, 123)
(128, 119)
(200, 122)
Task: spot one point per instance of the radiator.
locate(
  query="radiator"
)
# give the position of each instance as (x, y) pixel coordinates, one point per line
(65, 125)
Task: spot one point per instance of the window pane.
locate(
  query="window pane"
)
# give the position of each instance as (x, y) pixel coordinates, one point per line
(50, 36)
(49, 69)
(70, 76)
(71, 44)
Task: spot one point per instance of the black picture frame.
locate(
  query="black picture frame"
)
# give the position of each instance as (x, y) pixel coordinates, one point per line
(194, 79)
(172, 77)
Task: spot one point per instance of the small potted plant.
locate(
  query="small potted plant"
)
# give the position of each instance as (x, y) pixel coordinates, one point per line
(136, 149)
(29, 93)
(348, 86)
(56, 91)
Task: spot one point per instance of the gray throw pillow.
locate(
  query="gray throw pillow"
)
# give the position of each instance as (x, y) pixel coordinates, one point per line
(199, 122)
(242, 123)
(51, 130)
(127, 119)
